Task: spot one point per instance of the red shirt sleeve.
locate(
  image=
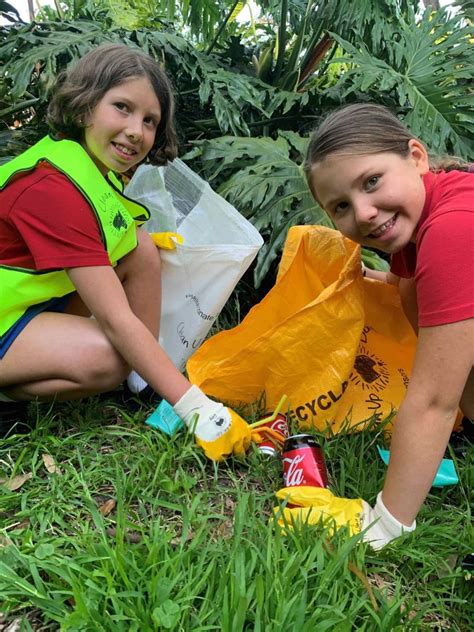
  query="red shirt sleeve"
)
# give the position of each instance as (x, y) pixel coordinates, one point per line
(57, 224)
(445, 270)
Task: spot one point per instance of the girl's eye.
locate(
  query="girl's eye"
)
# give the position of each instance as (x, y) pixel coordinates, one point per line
(340, 208)
(149, 120)
(371, 182)
(121, 106)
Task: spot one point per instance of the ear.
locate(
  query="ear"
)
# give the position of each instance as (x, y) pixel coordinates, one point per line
(418, 154)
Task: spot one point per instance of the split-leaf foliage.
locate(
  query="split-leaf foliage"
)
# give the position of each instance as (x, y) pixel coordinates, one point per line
(248, 94)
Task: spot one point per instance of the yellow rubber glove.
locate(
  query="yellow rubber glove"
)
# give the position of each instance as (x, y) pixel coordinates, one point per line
(166, 241)
(235, 440)
(308, 505)
(218, 430)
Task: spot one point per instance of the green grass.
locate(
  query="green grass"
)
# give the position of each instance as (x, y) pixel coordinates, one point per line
(190, 545)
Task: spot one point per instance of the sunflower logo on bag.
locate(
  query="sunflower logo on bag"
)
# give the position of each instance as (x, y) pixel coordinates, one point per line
(370, 372)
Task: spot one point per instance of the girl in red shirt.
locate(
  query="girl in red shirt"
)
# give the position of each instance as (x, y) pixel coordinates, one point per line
(117, 104)
(373, 178)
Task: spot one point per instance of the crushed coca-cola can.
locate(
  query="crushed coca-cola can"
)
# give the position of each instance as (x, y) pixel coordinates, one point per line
(273, 442)
(303, 462)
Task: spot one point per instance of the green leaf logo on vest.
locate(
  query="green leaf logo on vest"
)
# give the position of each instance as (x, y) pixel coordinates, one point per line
(119, 221)
(112, 210)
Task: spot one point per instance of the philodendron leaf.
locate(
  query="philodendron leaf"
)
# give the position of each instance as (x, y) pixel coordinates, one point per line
(425, 73)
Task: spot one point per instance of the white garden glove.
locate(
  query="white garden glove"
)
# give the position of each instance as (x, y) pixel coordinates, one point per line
(384, 527)
(218, 430)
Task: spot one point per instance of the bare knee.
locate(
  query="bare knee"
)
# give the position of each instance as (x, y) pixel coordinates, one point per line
(106, 370)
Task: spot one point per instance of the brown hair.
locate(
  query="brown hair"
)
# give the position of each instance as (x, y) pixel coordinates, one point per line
(79, 89)
(365, 128)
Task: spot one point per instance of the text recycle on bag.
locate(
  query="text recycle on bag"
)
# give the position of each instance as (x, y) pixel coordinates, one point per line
(200, 274)
(338, 345)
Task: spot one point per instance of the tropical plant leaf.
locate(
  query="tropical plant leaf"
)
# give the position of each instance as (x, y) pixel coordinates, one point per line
(33, 45)
(9, 12)
(229, 102)
(425, 74)
(467, 7)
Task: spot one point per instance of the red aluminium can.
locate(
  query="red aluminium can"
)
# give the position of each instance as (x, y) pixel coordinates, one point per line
(272, 445)
(303, 462)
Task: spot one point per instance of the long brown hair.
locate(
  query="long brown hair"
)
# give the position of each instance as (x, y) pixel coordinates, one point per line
(366, 128)
(79, 89)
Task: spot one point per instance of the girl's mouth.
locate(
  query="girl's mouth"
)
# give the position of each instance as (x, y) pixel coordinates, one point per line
(384, 229)
(126, 151)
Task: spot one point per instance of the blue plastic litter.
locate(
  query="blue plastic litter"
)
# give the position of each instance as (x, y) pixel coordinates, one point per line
(446, 474)
(165, 419)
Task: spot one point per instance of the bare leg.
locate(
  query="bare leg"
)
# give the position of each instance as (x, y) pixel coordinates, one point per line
(467, 399)
(62, 356)
(67, 356)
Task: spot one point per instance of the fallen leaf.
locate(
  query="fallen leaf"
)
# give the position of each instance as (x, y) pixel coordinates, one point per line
(180, 540)
(4, 541)
(450, 564)
(50, 464)
(107, 507)
(129, 536)
(224, 530)
(13, 626)
(16, 482)
(230, 504)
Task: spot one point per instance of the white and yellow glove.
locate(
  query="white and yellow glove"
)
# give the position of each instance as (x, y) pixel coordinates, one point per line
(308, 505)
(218, 430)
(383, 526)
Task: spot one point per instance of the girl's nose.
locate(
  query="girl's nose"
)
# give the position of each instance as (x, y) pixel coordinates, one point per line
(134, 131)
(364, 211)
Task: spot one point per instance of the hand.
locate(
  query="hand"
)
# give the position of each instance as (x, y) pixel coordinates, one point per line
(382, 526)
(311, 504)
(218, 430)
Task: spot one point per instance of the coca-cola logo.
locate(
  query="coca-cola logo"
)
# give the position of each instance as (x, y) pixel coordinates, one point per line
(293, 474)
(280, 426)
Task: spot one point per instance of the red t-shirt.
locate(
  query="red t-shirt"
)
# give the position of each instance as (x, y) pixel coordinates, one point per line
(442, 260)
(46, 224)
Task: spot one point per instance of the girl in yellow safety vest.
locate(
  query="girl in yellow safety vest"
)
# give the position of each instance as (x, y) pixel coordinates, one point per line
(70, 248)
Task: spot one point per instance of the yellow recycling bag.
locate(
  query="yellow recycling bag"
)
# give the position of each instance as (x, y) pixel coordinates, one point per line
(337, 344)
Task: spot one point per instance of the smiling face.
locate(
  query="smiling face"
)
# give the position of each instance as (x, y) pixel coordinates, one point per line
(374, 199)
(122, 127)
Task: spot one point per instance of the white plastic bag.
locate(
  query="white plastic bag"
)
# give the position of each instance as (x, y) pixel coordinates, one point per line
(148, 187)
(200, 275)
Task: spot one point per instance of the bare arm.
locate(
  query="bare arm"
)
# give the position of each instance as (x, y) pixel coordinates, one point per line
(378, 275)
(102, 292)
(443, 362)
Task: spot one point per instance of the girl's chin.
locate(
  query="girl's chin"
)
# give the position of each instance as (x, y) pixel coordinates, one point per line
(390, 248)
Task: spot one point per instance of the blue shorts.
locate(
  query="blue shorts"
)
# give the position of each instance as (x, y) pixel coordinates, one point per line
(53, 305)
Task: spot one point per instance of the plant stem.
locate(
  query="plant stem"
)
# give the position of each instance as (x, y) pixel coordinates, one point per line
(222, 27)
